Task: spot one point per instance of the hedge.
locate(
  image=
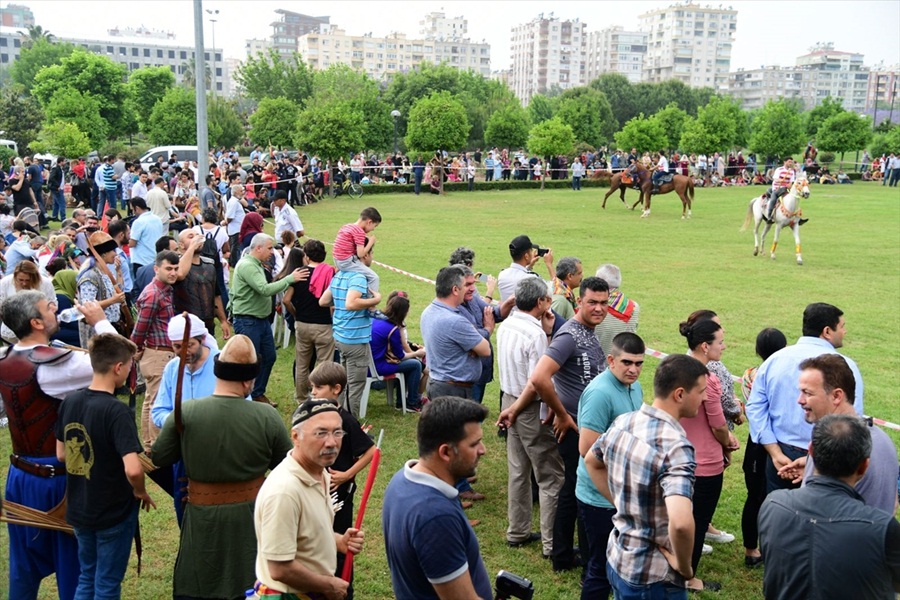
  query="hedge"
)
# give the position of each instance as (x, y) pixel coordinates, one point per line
(550, 184)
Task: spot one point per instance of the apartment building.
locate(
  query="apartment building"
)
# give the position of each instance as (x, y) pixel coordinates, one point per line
(755, 87)
(689, 42)
(290, 26)
(881, 94)
(614, 50)
(829, 72)
(547, 52)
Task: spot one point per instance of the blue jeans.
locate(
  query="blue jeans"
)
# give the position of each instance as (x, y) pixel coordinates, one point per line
(417, 182)
(661, 590)
(576, 183)
(597, 525)
(59, 204)
(411, 369)
(260, 333)
(104, 555)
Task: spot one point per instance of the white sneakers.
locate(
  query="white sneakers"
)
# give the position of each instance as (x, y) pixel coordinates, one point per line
(723, 537)
(707, 549)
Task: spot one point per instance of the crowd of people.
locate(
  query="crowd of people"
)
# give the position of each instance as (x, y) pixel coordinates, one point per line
(627, 485)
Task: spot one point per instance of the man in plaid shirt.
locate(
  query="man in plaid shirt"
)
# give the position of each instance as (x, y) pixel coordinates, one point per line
(644, 464)
(151, 335)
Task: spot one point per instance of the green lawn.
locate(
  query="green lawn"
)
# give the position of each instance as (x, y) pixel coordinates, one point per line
(851, 251)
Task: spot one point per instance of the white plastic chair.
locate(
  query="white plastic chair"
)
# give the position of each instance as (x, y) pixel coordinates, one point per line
(280, 327)
(389, 380)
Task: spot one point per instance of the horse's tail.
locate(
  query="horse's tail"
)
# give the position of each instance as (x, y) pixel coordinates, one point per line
(690, 188)
(749, 216)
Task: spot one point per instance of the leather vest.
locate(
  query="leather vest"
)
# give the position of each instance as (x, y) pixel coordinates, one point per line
(32, 412)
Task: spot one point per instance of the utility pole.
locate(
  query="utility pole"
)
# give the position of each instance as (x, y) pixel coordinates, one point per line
(200, 89)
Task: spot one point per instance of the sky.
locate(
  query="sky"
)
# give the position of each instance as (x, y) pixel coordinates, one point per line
(768, 32)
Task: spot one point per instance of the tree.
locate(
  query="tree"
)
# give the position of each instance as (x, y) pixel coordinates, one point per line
(189, 74)
(551, 138)
(588, 113)
(35, 57)
(173, 120)
(540, 109)
(329, 130)
(339, 82)
(830, 106)
(20, 116)
(777, 130)
(225, 127)
(268, 123)
(620, 93)
(63, 139)
(268, 75)
(844, 132)
(508, 127)
(437, 122)
(647, 135)
(35, 33)
(147, 86)
(671, 119)
(92, 74)
(714, 129)
(885, 143)
(83, 110)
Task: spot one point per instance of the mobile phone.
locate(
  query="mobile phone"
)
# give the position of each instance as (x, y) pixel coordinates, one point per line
(483, 278)
(543, 251)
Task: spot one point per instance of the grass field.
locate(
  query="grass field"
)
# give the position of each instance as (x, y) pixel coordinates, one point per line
(851, 250)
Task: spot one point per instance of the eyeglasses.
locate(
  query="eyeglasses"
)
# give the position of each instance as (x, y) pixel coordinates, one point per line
(321, 434)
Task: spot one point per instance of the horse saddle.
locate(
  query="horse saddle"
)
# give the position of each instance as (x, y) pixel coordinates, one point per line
(665, 178)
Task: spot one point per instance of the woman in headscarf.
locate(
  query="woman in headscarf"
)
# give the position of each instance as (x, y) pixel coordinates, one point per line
(252, 224)
(64, 280)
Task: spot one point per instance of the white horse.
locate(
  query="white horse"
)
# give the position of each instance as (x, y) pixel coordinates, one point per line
(787, 214)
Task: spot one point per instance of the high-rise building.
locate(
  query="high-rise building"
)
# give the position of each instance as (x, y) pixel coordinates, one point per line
(613, 50)
(436, 26)
(689, 42)
(381, 57)
(290, 26)
(255, 46)
(882, 93)
(755, 87)
(137, 49)
(547, 52)
(16, 15)
(829, 72)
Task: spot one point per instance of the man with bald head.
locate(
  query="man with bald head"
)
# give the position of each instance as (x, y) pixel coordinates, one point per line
(222, 479)
(197, 288)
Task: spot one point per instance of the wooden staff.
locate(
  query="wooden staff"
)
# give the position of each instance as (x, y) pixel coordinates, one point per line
(126, 311)
(182, 365)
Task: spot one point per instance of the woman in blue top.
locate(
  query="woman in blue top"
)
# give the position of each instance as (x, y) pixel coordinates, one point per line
(392, 352)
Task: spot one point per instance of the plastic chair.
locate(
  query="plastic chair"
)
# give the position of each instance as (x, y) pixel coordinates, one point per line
(389, 381)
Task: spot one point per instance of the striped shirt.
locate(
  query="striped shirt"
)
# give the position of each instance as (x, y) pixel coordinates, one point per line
(782, 177)
(348, 238)
(649, 458)
(109, 177)
(350, 326)
(521, 342)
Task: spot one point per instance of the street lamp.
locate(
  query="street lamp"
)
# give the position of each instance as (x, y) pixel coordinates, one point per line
(396, 114)
(212, 20)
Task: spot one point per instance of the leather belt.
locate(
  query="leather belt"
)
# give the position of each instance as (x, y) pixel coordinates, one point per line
(159, 348)
(26, 465)
(462, 384)
(213, 494)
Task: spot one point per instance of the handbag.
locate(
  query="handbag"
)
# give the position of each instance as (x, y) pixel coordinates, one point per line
(389, 356)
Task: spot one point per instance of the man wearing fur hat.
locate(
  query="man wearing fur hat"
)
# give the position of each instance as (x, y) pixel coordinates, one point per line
(227, 445)
(95, 285)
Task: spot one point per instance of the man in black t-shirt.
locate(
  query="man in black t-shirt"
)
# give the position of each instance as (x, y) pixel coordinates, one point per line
(97, 439)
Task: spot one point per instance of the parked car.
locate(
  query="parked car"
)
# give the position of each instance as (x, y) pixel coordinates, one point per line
(185, 153)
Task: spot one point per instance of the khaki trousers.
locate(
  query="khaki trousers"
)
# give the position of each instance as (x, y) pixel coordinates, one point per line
(310, 337)
(152, 364)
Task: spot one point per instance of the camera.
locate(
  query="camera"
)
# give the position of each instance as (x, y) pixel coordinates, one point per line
(543, 251)
(510, 585)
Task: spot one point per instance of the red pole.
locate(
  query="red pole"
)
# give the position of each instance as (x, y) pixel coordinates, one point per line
(370, 482)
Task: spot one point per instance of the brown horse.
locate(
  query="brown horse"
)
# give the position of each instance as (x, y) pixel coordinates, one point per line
(680, 184)
(618, 181)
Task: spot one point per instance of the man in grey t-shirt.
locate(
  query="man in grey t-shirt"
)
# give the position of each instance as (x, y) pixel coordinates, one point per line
(571, 362)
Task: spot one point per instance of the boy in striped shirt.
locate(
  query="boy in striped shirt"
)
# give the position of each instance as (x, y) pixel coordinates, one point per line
(352, 245)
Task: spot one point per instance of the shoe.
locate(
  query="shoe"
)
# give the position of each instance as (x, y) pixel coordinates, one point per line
(707, 549)
(708, 586)
(567, 566)
(723, 537)
(264, 399)
(471, 495)
(474, 522)
(466, 504)
(802, 222)
(753, 561)
(535, 536)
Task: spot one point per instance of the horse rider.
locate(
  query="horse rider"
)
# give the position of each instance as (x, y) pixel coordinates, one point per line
(662, 169)
(782, 180)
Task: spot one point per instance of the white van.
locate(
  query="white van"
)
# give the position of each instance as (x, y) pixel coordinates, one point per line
(11, 145)
(151, 157)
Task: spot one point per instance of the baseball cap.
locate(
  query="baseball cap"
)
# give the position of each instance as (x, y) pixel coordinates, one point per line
(520, 245)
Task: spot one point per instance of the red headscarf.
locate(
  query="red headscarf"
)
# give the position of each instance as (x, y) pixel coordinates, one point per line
(251, 225)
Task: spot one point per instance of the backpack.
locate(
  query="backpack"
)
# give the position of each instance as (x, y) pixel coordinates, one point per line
(210, 249)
